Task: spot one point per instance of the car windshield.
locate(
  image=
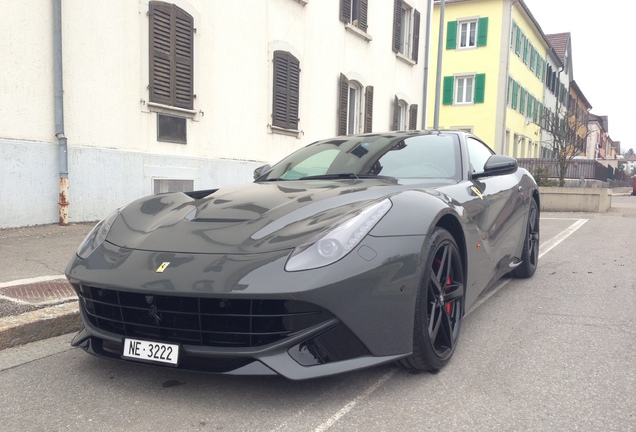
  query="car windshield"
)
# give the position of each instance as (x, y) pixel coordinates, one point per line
(432, 155)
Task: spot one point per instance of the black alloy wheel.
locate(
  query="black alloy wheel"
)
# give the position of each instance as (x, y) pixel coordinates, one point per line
(439, 306)
(530, 252)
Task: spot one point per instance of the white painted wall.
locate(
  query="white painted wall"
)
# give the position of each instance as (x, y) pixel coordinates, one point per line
(113, 152)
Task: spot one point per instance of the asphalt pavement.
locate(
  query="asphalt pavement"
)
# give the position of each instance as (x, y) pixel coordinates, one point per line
(36, 301)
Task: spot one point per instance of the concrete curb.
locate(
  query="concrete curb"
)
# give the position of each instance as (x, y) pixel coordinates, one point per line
(39, 324)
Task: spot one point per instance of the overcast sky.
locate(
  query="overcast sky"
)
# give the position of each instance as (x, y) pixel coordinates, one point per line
(602, 55)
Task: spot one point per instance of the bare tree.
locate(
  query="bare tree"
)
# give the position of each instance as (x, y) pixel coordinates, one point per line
(567, 131)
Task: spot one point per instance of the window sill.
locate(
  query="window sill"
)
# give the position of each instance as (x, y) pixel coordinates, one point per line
(405, 59)
(282, 131)
(166, 109)
(356, 31)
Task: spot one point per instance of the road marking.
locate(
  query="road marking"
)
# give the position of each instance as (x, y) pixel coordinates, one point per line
(554, 241)
(348, 407)
(31, 281)
(547, 247)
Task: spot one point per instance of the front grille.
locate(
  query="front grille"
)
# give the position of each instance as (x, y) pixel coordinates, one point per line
(197, 320)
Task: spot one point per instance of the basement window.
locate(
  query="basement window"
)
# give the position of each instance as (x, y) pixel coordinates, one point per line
(171, 129)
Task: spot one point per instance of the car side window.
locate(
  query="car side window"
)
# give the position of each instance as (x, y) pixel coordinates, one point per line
(478, 154)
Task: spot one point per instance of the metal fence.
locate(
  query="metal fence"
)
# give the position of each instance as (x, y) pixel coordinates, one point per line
(578, 168)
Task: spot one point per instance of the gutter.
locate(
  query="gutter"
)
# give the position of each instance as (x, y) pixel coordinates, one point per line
(59, 112)
(429, 15)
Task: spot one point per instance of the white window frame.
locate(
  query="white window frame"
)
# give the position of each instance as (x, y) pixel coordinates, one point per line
(464, 90)
(464, 33)
(406, 43)
(403, 115)
(354, 108)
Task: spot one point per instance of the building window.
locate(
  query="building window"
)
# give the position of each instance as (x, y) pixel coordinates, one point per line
(171, 129)
(404, 115)
(354, 12)
(171, 55)
(471, 33)
(468, 34)
(355, 107)
(463, 90)
(286, 90)
(406, 30)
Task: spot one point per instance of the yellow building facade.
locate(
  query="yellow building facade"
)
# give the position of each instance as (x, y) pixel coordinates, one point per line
(494, 62)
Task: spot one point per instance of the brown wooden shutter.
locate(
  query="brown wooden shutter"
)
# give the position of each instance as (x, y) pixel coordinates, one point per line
(345, 11)
(286, 90)
(364, 11)
(171, 55)
(416, 36)
(413, 117)
(397, 25)
(368, 110)
(343, 97)
(396, 114)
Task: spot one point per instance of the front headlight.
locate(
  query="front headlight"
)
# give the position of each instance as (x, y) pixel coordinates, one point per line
(329, 247)
(97, 235)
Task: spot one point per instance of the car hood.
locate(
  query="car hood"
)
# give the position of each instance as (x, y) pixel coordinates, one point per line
(250, 218)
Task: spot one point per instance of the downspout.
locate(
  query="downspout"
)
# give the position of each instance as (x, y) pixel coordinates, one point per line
(59, 111)
(429, 14)
(438, 78)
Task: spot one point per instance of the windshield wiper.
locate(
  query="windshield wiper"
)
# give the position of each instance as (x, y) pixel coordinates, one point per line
(345, 176)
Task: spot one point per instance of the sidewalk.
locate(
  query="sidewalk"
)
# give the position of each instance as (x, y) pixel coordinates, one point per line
(36, 301)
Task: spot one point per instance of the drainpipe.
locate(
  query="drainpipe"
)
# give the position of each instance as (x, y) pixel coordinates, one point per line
(59, 111)
(429, 14)
(438, 78)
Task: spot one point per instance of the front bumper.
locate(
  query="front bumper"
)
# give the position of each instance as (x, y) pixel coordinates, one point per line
(362, 307)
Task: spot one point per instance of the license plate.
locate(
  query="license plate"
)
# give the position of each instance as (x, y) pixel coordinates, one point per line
(155, 352)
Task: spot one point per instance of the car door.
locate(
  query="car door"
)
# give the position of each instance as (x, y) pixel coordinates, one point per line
(496, 208)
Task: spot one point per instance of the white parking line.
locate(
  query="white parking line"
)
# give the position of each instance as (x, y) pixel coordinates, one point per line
(348, 407)
(547, 247)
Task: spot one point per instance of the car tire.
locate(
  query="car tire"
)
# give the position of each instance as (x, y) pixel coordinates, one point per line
(439, 305)
(530, 252)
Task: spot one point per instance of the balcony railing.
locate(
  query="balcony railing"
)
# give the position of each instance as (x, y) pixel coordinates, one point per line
(579, 168)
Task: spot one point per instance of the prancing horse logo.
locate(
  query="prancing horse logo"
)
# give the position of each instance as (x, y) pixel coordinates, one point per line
(163, 266)
(153, 312)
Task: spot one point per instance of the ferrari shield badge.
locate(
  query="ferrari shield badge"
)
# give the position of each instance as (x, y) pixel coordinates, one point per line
(163, 266)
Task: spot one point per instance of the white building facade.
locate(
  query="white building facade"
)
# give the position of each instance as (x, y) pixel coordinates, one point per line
(190, 94)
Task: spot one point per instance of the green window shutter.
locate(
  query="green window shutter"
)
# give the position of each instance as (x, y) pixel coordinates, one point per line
(480, 88)
(451, 35)
(509, 88)
(515, 94)
(530, 104)
(512, 34)
(522, 104)
(533, 55)
(447, 99)
(518, 42)
(482, 31)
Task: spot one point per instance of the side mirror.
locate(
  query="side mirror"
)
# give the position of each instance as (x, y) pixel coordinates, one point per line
(261, 170)
(498, 165)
